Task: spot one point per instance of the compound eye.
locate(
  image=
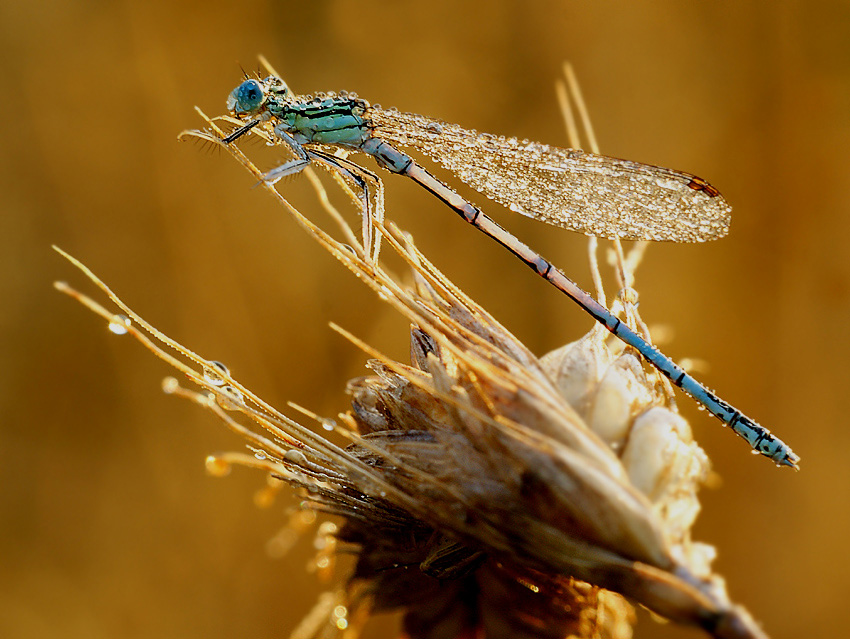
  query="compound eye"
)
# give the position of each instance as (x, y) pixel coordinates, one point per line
(246, 98)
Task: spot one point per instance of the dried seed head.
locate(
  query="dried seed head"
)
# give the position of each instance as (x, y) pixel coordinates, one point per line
(485, 491)
(474, 477)
(567, 465)
(617, 401)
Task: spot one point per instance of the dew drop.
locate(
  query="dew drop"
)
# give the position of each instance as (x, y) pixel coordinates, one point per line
(340, 615)
(215, 372)
(229, 398)
(328, 424)
(120, 324)
(295, 456)
(170, 385)
(216, 466)
(385, 293)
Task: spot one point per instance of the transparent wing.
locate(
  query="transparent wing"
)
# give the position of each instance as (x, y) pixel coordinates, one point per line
(584, 192)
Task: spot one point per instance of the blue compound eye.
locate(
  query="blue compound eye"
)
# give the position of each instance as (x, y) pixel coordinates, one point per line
(246, 98)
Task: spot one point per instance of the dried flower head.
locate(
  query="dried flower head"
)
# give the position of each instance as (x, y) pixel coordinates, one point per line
(485, 491)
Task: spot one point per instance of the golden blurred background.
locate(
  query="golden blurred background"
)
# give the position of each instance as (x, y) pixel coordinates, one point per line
(109, 525)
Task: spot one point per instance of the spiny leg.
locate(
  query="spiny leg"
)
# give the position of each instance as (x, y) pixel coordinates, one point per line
(371, 190)
(356, 174)
(301, 161)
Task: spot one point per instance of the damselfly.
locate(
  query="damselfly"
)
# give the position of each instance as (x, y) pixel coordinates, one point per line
(584, 192)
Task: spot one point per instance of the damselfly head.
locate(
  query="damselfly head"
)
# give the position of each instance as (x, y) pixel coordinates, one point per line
(247, 98)
(251, 96)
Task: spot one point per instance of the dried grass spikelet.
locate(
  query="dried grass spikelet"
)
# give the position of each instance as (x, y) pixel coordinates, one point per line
(484, 491)
(500, 447)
